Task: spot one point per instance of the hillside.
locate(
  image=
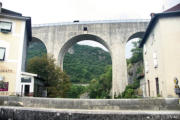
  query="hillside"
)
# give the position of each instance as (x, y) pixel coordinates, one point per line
(82, 63)
(35, 49)
(85, 63)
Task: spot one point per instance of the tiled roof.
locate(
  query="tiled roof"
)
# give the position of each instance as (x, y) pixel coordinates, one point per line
(175, 8)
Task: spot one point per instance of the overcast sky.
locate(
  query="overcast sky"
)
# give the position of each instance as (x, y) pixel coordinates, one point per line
(50, 11)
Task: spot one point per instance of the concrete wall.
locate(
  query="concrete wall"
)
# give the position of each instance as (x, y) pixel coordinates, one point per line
(16, 113)
(163, 45)
(92, 104)
(114, 36)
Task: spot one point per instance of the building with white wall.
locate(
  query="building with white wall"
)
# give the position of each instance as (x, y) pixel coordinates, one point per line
(15, 32)
(161, 46)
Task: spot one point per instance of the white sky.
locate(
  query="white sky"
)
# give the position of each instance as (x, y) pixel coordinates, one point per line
(50, 11)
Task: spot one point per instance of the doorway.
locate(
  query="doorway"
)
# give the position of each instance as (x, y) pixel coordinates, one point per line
(26, 90)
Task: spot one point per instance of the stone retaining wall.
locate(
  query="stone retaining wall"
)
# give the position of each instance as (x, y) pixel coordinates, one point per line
(92, 104)
(17, 113)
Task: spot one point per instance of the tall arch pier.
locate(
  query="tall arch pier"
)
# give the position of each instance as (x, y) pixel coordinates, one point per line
(58, 38)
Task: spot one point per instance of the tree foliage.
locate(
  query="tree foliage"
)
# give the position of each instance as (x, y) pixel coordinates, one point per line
(76, 90)
(137, 53)
(57, 82)
(101, 87)
(130, 90)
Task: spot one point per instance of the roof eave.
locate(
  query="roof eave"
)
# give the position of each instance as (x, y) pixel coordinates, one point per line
(28, 23)
(154, 21)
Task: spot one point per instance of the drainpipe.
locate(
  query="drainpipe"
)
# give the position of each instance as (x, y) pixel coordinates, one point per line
(0, 7)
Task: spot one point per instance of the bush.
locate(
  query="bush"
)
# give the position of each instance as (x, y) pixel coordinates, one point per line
(56, 81)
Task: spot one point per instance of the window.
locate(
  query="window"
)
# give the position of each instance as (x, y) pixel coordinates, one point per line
(85, 29)
(146, 67)
(2, 53)
(155, 60)
(157, 86)
(155, 63)
(149, 88)
(5, 27)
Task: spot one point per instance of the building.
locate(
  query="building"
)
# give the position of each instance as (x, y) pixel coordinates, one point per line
(167, 4)
(15, 32)
(32, 85)
(174, 8)
(161, 47)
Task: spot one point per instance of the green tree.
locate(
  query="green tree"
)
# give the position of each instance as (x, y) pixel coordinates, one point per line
(76, 90)
(100, 88)
(137, 53)
(57, 82)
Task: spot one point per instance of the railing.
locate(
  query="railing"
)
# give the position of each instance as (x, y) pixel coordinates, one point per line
(91, 22)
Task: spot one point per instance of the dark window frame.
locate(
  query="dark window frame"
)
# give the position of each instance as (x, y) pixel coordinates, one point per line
(5, 30)
(85, 29)
(3, 59)
(149, 91)
(157, 86)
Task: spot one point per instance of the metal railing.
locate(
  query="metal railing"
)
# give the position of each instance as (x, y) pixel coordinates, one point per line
(91, 22)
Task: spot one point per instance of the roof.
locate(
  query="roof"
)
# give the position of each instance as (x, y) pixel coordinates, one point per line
(28, 74)
(9, 12)
(153, 22)
(175, 8)
(15, 15)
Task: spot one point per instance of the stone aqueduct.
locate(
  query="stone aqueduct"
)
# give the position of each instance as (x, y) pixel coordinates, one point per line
(58, 38)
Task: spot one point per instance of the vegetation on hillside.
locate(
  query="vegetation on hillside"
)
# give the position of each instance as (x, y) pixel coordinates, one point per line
(86, 63)
(36, 49)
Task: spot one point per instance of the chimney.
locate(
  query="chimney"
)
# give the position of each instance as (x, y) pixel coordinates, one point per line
(0, 6)
(152, 15)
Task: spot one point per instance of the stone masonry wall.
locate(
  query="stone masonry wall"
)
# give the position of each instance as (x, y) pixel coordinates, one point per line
(92, 104)
(16, 113)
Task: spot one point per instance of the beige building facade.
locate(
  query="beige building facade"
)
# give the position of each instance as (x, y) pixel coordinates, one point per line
(161, 49)
(15, 31)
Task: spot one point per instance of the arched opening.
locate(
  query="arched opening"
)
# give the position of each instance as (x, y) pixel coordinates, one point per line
(76, 39)
(36, 48)
(87, 65)
(135, 68)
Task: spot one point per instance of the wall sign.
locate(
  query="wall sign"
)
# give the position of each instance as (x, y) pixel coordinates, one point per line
(6, 70)
(4, 86)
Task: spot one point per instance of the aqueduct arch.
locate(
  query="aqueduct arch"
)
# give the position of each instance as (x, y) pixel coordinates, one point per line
(112, 34)
(138, 34)
(74, 40)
